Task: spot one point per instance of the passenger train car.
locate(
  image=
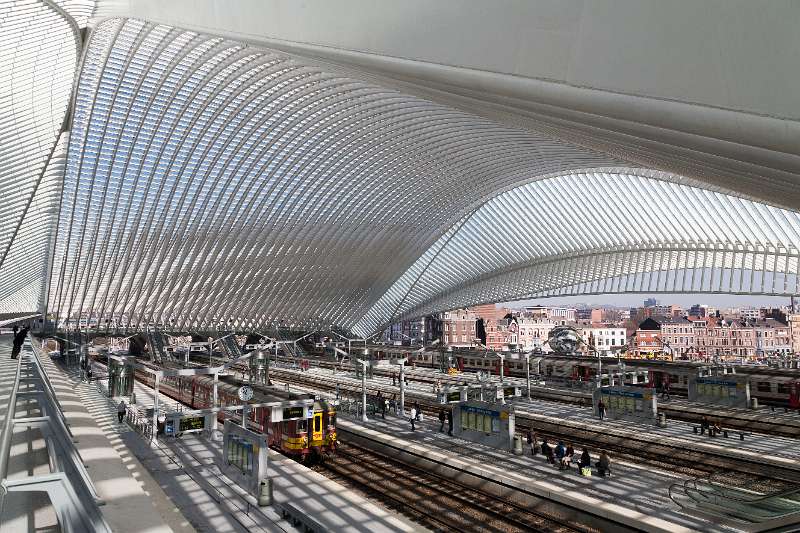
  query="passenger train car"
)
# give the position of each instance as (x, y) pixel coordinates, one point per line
(300, 438)
(776, 386)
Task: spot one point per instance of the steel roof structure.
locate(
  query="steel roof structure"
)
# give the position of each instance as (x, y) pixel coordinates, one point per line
(168, 176)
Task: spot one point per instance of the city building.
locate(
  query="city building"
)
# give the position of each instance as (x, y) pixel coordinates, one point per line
(772, 337)
(723, 339)
(458, 328)
(794, 332)
(604, 338)
(679, 337)
(647, 341)
(560, 316)
(534, 331)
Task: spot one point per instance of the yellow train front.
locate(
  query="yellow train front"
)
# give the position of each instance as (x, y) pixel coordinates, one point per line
(304, 438)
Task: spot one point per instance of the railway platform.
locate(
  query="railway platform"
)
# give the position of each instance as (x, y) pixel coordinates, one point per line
(766, 419)
(757, 452)
(186, 467)
(634, 498)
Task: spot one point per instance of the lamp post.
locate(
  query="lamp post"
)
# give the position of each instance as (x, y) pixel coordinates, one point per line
(364, 389)
(528, 373)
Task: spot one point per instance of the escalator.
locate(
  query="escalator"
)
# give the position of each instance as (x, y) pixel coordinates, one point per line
(231, 347)
(752, 508)
(158, 351)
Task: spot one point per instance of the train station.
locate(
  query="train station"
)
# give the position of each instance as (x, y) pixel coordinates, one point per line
(366, 266)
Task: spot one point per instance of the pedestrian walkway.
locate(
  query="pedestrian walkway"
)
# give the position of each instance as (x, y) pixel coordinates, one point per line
(133, 500)
(30, 511)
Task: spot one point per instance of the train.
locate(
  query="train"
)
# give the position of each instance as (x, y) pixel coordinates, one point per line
(772, 386)
(302, 438)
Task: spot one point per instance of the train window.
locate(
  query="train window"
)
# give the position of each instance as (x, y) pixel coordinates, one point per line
(317, 423)
(301, 425)
(783, 388)
(332, 420)
(286, 426)
(764, 386)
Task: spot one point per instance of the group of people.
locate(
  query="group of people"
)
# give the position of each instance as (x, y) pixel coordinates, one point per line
(384, 404)
(712, 429)
(19, 340)
(564, 455)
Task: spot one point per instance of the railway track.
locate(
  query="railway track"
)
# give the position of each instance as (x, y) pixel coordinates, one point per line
(431, 500)
(678, 458)
(739, 421)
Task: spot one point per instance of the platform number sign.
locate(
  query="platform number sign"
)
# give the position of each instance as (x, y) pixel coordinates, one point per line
(245, 393)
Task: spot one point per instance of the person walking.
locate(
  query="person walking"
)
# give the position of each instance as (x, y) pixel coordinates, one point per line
(601, 409)
(413, 417)
(450, 422)
(417, 409)
(121, 407)
(441, 420)
(534, 444)
(14, 331)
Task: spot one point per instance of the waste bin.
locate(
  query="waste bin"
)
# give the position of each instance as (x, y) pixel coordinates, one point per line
(754, 403)
(265, 492)
(517, 445)
(662, 420)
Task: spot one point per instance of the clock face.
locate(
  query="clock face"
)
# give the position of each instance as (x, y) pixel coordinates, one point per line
(245, 393)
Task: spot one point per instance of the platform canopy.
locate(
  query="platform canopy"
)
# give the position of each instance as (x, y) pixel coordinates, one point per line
(194, 180)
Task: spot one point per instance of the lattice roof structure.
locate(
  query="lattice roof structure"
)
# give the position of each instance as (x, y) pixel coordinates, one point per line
(192, 180)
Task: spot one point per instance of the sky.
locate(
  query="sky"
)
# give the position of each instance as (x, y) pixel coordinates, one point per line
(636, 300)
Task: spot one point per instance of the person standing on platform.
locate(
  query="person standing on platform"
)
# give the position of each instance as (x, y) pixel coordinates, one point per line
(413, 416)
(121, 407)
(14, 331)
(417, 409)
(601, 409)
(379, 404)
(450, 422)
(441, 420)
(19, 340)
(534, 444)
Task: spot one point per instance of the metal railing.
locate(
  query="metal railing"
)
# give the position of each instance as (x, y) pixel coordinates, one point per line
(71, 491)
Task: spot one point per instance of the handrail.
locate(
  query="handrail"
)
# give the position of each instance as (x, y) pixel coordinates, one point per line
(8, 427)
(761, 498)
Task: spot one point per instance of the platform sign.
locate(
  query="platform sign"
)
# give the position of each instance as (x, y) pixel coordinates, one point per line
(194, 423)
(728, 389)
(245, 457)
(294, 412)
(488, 423)
(626, 403)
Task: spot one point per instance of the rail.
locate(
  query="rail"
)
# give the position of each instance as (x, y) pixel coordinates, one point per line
(68, 485)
